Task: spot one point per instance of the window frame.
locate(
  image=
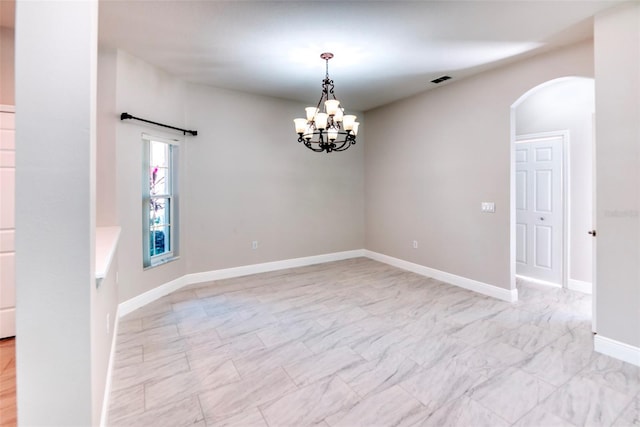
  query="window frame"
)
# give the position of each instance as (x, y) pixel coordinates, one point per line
(171, 177)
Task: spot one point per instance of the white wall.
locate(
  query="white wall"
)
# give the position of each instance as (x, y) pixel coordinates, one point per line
(249, 179)
(617, 71)
(55, 205)
(106, 191)
(447, 151)
(147, 92)
(243, 178)
(569, 104)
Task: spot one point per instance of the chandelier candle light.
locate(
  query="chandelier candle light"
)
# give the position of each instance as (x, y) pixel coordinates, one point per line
(330, 129)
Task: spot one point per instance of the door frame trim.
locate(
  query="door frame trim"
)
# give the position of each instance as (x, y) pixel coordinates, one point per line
(565, 134)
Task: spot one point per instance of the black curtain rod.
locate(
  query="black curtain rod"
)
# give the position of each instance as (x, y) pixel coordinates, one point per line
(124, 116)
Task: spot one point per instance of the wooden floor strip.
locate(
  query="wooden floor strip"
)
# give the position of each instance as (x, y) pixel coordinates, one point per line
(8, 416)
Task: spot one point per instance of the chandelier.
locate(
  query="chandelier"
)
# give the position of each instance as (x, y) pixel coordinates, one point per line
(330, 129)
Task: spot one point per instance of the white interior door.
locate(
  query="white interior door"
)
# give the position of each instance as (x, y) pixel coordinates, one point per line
(539, 209)
(7, 224)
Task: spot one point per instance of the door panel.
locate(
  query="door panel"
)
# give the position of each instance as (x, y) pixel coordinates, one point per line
(7, 225)
(539, 209)
(7, 198)
(521, 190)
(521, 243)
(543, 191)
(544, 154)
(543, 247)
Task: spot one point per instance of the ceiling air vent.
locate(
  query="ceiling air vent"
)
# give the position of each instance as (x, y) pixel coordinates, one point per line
(440, 79)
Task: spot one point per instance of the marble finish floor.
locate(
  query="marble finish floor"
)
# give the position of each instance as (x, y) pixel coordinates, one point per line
(360, 343)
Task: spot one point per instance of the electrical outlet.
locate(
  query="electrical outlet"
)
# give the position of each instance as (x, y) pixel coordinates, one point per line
(108, 323)
(415, 244)
(254, 244)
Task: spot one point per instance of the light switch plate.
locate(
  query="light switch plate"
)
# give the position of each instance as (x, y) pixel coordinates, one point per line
(488, 207)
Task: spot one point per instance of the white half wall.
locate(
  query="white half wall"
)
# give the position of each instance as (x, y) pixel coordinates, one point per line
(56, 45)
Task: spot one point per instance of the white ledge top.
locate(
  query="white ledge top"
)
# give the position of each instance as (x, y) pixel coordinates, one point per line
(106, 244)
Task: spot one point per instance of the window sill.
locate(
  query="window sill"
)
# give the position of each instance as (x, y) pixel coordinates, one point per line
(163, 262)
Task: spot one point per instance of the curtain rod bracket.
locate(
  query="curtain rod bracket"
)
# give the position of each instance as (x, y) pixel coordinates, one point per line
(125, 116)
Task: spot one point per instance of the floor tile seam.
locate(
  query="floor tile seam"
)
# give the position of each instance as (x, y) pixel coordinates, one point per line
(540, 406)
(468, 395)
(402, 387)
(582, 374)
(557, 387)
(530, 352)
(544, 406)
(583, 366)
(427, 411)
(624, 410)
(629, 396)
(422, 407)
(547, 345)
(326, 380)
(263, 417)
(245, 375)
(204, 418)
(317, 380)
(361, 396)
(295, 384)
(476, 346)
(153, 378)
(178, 398)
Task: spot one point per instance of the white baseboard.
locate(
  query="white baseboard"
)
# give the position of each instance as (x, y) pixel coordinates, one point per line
(141, 300)
(126, 307)
(107, 385)
(246, 270)
(509, 295)
(150, 296)
(616, 349)
(580, 286)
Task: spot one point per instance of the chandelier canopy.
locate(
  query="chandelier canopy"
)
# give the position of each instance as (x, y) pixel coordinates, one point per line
(328, 129)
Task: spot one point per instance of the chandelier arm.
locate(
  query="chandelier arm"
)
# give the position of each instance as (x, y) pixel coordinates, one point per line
(309, 145)
(345, 144)
(343, 147)
(319, 102)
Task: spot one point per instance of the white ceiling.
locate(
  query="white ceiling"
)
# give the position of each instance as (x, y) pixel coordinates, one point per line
(384, 50)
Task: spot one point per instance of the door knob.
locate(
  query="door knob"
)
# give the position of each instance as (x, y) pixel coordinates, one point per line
(592, 232)
(541, 218)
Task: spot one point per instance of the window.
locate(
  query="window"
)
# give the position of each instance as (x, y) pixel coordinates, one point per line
(159, 207)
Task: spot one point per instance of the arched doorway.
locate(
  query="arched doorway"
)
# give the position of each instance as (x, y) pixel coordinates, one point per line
(552, 188)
